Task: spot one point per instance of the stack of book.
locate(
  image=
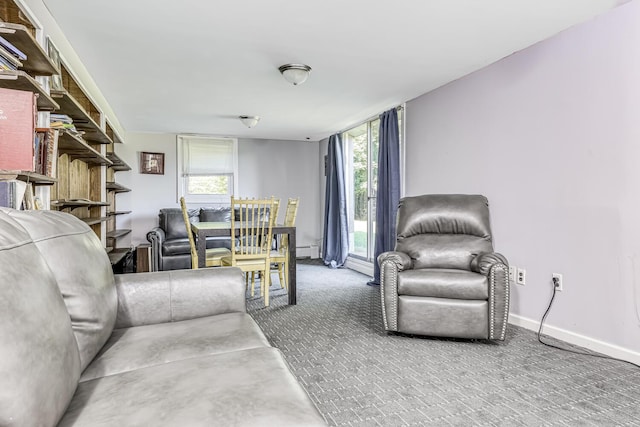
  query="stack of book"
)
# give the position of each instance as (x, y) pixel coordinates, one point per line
(12, 193)
(45, 150)
(62, 121)
(10, 56)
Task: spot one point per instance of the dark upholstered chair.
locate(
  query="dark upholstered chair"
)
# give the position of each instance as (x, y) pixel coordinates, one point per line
(443, 279)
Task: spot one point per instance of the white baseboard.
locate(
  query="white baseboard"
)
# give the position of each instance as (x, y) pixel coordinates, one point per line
(577, 339)
(359, 266)
(307, 252)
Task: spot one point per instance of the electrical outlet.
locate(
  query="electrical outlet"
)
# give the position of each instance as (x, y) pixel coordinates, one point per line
(557, 281)
(512, 274)
(521, 276)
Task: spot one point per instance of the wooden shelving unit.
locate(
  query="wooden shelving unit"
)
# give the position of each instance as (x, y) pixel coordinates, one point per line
(72, 204)
(38, 62)
(117, 165)
(93, 221)
(77, 149)
(32, 177)
(117, 254)
(19, 80)
(83, 120)
(118, 213)
(113, 189)
(86, 160)
(20, 33)
(117, 188)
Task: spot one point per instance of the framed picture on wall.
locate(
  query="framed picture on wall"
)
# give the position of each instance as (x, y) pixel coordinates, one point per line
(55, 82)
(152, 163)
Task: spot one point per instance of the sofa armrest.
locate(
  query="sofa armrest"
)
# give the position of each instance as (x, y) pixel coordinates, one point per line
(156, 237)
(496, 267)
(170, 296)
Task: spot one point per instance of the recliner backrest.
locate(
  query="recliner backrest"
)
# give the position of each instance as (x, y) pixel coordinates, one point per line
(443, 230)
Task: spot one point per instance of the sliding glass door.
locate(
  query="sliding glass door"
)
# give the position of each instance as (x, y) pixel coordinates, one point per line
(361, 181)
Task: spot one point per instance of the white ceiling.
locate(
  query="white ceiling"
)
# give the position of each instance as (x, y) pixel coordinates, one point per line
(195, 65)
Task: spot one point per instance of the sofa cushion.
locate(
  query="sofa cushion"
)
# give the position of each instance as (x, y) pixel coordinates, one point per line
(143, 346)
(437, 282)
(243, 388)
(176, 247)
(217, 214)
(39, 360)
(82, 271)
(172, 222)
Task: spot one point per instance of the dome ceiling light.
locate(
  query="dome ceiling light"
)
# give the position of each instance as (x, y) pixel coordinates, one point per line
(249, 121)
(295, 73)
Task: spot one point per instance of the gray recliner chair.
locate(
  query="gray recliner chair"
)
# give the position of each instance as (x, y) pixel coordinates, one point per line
(443, 278)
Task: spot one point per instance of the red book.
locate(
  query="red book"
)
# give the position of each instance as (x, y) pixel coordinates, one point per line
(17, 120)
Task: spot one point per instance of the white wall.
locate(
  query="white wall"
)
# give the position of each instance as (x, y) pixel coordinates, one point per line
(551, 135)
(266, 167)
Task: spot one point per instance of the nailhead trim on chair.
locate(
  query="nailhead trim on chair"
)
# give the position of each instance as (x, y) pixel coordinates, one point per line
(394, 288)
(492, 302)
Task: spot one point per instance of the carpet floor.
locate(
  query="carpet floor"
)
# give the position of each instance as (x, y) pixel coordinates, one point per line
(358, 375)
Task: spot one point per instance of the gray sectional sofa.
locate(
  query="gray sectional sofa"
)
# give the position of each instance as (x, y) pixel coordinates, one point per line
(82, 347)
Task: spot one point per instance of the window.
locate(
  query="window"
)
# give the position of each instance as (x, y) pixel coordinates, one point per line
(207, 169)
(361, 157)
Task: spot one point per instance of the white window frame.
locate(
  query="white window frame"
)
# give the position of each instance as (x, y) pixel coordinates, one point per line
(204, 199)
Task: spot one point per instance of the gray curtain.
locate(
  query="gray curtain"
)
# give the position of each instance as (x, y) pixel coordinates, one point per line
(388, 195)
(335, 247)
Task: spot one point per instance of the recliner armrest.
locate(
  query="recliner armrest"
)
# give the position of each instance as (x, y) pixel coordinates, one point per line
(483, 262)
(496, 268)
(170, 296)
(402, 260)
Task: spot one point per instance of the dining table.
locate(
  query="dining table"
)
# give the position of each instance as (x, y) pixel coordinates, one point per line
(202, 230)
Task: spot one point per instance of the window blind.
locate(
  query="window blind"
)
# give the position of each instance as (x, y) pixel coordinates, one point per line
(207, 156)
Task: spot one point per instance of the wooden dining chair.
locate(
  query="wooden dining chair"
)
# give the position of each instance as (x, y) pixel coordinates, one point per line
(214, 255)
(280, 257)
(251, 249)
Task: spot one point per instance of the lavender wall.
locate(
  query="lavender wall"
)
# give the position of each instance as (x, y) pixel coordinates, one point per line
(551, 135)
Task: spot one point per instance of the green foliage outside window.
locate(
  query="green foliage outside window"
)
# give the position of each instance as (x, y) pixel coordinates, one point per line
(216, 184)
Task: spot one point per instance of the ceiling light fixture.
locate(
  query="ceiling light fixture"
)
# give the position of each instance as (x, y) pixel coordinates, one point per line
(295, 73)
(249, 121)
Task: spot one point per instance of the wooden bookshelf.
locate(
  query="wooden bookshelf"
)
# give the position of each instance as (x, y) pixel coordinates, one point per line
(27, 176)
(77, 149)
(82, 119)
(73, 204)
(118, 213)
(86, 160)
(38, 62)
(94, 220)
(19, 80)
(117, 188)
(117, 164)
(113, 189)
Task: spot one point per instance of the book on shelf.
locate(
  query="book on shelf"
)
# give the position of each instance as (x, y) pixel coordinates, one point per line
(29, 202)
(62, 121)
(8, 46)
(45, 146)
(8, 61)
(17, 123)
(12, 193)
